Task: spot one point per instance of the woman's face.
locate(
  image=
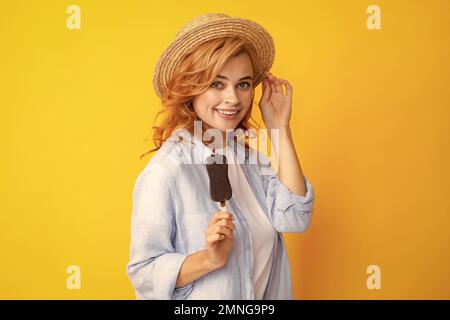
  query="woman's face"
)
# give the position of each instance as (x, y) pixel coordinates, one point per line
(228, 99)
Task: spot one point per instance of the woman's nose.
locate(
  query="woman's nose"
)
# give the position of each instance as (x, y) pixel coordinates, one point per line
(231, 97)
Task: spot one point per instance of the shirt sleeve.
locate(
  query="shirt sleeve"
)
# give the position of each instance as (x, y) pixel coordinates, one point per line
(288, 212)
(154, 265)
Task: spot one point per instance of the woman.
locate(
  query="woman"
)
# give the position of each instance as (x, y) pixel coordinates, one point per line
(182, 245)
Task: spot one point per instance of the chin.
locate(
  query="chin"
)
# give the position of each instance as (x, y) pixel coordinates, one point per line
(227, 127)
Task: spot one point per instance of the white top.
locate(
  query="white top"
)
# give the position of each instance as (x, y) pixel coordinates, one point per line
(262, 231)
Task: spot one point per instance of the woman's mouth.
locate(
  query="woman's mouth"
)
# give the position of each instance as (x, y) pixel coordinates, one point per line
(227, 114)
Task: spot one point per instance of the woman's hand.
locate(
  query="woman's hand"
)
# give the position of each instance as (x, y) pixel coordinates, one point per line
(219, 238)
(275, 105)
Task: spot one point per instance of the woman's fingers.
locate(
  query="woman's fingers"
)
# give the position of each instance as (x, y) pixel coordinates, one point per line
(220, 229)
(223, 230)
(266, 90)
(220, 215)
(227, 223)
(269, 82)
(220, 224)
(212, 238)
(288, 86)
(278, 87)
(277, 84)
(272, 84)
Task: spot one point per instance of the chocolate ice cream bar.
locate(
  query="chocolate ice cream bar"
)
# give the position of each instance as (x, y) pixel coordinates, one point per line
(219, 184)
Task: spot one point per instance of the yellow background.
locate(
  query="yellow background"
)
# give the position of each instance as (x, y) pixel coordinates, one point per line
(370, 120)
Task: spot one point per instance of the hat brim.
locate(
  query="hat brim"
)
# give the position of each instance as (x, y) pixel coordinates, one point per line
(257, 37)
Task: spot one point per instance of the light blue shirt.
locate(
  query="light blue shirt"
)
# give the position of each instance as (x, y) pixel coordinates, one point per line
(170, 214)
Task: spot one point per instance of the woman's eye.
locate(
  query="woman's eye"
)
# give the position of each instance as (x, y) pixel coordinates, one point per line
(215, 84)
(246, 83)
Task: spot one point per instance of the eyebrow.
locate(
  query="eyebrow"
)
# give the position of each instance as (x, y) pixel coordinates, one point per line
(243, 78)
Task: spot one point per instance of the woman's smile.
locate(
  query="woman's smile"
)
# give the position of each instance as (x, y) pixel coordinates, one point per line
(228, 114)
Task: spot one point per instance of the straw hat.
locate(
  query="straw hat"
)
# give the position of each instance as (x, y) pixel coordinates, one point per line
(212, 26)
